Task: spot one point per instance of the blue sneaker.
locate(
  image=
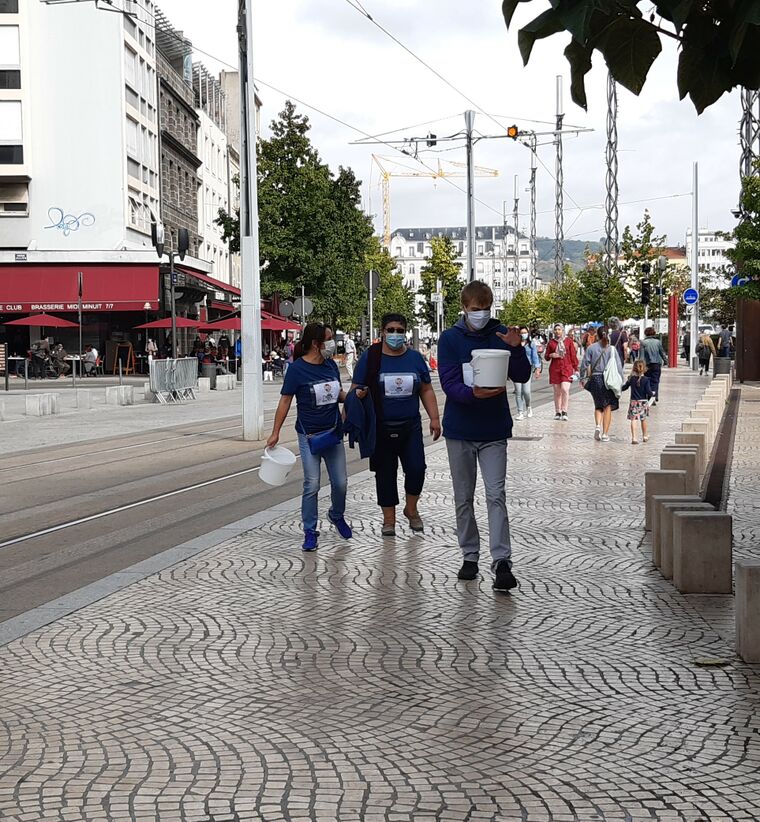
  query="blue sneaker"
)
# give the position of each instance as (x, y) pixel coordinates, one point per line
(344, 529)
(310, 541)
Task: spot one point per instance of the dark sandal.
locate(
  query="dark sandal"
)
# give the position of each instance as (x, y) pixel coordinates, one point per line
(389, 530)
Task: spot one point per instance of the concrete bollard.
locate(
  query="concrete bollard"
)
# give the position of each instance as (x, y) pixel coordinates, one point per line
(55, 403)
(695, 438)
(701, 426)
(83, 399)
(34, 406)
(2, 411)
(148, 395)
(112, 395)
(682, 460)
(661, 482)
(706, 416)
(706, 408)
(658, 500)
(126, 395)
(668, 509)
(225, 382)
(748, 609)
(204, 384)
(702, 551)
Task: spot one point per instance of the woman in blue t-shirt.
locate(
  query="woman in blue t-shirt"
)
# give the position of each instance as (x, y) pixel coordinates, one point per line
(398, 378)
(314, 380)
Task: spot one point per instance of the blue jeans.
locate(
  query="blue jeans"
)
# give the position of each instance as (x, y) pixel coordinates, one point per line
(335, 461)
(522, 395)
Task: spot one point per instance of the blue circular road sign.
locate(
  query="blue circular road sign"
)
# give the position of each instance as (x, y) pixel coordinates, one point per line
(738, 280)
(691, 296)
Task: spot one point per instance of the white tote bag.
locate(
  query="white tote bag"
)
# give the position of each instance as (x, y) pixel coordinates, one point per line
(612, 378)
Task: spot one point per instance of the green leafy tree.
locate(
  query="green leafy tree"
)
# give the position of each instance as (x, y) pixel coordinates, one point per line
(522, 309)
(599, 296)
(441, 265)
(393, 296)
(312, 231)
(718, 42)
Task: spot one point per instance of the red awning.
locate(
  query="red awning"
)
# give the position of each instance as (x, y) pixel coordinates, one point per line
(29, 288)
(217, 284)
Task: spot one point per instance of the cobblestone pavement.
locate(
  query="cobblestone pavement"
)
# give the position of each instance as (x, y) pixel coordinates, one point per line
(362, 682)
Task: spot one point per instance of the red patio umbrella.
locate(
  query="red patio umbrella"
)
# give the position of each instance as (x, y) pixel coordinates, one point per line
(44, 321)
(233, 324)
(181, 322)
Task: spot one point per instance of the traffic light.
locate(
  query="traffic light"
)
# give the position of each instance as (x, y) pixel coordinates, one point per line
(432, 140)
(646, 290)
(513, 132)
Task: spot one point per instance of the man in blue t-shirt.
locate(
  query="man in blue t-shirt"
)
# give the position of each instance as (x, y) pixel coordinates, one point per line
(476, 425)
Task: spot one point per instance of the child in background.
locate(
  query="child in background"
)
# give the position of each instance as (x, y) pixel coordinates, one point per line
(641, 394)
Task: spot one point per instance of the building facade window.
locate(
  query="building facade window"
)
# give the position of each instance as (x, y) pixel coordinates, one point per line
(10, 78)
(8, 6)
(10, 53)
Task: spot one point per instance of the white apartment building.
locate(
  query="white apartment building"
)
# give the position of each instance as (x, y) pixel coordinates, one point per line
(213, 150)
(502, 258)
(78, 127)
(711, 254)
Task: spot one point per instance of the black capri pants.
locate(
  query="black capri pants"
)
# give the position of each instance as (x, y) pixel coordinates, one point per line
(398, 440)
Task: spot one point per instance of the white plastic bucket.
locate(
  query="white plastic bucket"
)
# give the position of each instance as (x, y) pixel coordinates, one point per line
(276, 464)
(490, 367)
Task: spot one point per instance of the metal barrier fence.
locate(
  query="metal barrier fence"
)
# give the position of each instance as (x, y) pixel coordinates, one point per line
(174, 380)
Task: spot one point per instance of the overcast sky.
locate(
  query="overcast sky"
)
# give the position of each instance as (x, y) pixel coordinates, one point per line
(328, 55)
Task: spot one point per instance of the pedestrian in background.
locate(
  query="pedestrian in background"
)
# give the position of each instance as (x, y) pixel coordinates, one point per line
(705, 349)
(618, 337)
(477, 425)
(726, 338)
(398, 379)
(523, 389)
(563, 364)
(634, 346)
(594, 363)
(641, 394)
(655, 357)
(350, 347)
(314, 380)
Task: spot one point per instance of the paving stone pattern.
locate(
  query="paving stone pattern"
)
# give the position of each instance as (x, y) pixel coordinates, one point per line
(364, 683)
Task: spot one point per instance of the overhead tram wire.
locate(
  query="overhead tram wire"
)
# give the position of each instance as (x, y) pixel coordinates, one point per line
(356, 6)
(329, 116)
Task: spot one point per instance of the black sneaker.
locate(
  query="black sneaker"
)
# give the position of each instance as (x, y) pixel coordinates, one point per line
(558, 416)
(505, 579)
(469, 570)
(564, 416)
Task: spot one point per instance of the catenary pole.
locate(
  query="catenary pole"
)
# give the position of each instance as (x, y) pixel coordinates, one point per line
(559, 227)
(694, 326)
(250, 308)
(469, 118)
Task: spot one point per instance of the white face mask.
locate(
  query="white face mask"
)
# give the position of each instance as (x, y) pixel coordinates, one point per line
(328, 352)
(478, 319)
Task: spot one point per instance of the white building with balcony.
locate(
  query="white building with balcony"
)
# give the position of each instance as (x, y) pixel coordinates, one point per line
(503, 258)
(711, 254)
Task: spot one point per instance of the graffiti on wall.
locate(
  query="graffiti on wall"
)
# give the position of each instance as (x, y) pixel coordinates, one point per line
(66, 223)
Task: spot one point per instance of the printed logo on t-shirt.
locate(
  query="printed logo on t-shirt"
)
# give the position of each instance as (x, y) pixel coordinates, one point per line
(326, 393)
(468, 374)
(398, 385)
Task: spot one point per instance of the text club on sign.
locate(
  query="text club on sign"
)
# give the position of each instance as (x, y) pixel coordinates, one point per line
(691, 296)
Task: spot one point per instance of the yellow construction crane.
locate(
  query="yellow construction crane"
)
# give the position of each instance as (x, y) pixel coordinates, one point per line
(386, 172)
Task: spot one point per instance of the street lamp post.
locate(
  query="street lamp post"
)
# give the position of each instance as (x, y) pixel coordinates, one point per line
(183, 244)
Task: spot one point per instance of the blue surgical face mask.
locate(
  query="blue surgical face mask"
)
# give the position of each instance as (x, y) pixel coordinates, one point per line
(524, 335)
(478, 319)
(395, 341)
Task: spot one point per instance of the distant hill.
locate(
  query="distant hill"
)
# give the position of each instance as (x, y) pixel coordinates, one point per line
(574, 250)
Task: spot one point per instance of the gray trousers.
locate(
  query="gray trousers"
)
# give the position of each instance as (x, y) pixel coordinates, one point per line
(464, 458)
